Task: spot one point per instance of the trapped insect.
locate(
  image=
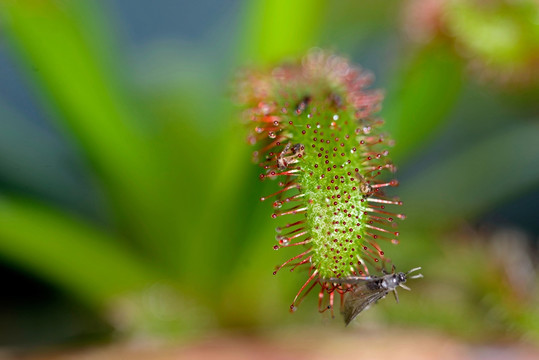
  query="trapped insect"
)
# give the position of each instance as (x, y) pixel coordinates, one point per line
(369, 289)
(284, 159)
(364, 186)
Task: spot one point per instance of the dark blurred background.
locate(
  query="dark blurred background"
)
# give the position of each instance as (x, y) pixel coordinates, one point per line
(129, 207)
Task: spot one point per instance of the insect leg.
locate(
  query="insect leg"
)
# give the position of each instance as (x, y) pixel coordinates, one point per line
(396, 295)
(405, 287)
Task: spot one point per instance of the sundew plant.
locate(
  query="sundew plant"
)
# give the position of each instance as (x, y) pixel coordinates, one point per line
(319, 136)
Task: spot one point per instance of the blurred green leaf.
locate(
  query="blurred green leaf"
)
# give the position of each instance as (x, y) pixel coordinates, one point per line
(71, 75)
(475, 178)
(350, 25)
(70, 253)
(278, 29)
(421, 98)
(34, 160)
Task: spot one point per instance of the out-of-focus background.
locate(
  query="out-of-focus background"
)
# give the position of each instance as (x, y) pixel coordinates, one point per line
(129, 208)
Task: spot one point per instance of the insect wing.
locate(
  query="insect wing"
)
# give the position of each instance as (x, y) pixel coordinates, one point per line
(360, 298)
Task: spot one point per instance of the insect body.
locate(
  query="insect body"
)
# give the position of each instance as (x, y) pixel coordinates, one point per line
(364, 186)
(369, 289)
(303, 104)
(290, 155)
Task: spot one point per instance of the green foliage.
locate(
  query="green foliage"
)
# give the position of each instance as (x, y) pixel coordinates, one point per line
(503, 35)
(421, 96)
(64, 250)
